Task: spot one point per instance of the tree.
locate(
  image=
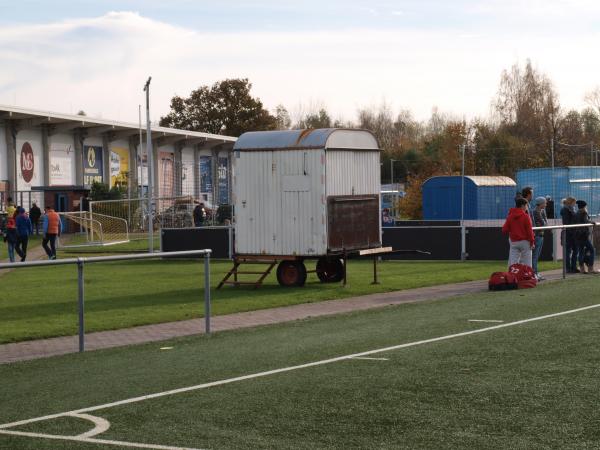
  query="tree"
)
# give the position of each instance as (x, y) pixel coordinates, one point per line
(226, 107)
(320, 119)
(282, 118)
(528, 108)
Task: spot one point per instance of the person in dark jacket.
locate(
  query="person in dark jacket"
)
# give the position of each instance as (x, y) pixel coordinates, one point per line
(24, 230)
(539, 220)
(583, 239)
(567, 214)
(199, 215)
(520, 233)
(34, 214)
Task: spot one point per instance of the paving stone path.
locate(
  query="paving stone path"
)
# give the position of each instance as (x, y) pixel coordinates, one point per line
(150, 333)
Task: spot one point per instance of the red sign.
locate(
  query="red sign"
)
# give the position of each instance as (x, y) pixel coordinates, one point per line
(27, 162)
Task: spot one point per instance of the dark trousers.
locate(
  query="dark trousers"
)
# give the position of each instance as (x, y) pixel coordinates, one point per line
(49, 238)
(571, 252)
(36, 226)
(21, 247)
(586, 247)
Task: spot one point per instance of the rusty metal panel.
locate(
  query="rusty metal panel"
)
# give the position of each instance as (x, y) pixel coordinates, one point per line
(353, 222)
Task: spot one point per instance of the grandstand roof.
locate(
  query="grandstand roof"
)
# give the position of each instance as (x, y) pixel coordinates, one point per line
(31, 118)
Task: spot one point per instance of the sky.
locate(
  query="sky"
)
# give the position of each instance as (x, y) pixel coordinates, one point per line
(66, 56)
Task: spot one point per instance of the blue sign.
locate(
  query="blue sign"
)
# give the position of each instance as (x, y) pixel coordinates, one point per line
(93, 170)
(206, 183)
(223, 181)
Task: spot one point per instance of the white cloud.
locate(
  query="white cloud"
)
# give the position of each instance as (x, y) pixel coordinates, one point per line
(100, 64)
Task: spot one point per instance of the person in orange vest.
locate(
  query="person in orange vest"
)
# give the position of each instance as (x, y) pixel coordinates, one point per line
(52, 228)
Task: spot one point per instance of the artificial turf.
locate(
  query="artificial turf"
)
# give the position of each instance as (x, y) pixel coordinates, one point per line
(535, 385)
(42, 302)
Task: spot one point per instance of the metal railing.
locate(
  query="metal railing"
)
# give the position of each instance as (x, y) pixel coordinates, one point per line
(98, 259)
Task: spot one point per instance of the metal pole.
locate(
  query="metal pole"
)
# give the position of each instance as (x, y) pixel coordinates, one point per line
(207, 293)
(563, 241)
(392, 173)
(553, 179)
(150, 169)
(141, 153)
(80, 298)
(463, 231)
(591, 178)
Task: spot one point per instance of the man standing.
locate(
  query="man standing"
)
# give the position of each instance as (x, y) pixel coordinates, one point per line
(567, 213)
(51, 230)
(24, 229)
(34, 214)
(540, 220)
(199, 215)
(528, 195)
(520, 234)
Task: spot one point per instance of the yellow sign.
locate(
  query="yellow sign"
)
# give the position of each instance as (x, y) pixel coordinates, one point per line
(119, 166)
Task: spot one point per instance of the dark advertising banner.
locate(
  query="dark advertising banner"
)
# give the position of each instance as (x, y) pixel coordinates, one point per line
(92, 165)
(223, 181)
(206, 183)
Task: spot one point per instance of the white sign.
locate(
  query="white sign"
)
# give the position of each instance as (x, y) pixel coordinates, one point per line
(62, 158)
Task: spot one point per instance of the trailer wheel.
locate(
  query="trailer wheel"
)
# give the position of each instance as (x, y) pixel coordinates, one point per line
(291, 273)
(330, 270)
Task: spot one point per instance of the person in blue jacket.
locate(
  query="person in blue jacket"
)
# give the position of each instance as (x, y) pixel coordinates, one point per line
(24, 230)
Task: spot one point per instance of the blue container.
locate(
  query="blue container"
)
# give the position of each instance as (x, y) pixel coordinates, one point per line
(580, 182)
(486, 198)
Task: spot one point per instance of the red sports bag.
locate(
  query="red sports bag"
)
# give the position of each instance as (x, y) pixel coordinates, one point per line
(524, 274)
(502, 281)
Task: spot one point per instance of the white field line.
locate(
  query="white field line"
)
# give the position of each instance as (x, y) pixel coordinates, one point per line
(100, 425)
(371, 359)
(291, 368)
(485, 320)
(92, 440)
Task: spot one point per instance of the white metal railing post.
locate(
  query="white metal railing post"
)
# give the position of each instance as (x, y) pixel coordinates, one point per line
(80, 301)
(463, 230)
(207, 293)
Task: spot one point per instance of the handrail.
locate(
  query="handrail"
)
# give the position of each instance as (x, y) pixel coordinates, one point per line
(81, 261)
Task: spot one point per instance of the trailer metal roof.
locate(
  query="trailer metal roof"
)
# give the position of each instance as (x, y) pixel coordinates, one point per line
(322, 138)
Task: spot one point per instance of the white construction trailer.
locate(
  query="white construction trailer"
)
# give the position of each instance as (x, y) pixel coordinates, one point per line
(304, 194)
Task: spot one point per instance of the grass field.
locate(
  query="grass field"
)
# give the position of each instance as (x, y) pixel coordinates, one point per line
(42, 302)
(530, 385)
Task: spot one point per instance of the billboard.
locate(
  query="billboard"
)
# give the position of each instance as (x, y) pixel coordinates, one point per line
(119, 166)
(206, 183)
(30, 162)
(62, 165)
(92, 165)
(223, 181)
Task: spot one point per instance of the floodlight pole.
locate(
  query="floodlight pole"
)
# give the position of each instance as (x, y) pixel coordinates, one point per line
(553, 178)
(150, 160)
(141, 153)
(463, 231)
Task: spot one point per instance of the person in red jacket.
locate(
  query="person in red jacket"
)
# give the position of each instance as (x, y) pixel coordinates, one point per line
(520, 233)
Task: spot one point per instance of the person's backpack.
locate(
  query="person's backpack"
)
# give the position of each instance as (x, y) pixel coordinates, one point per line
(502, 281)
(524, 274)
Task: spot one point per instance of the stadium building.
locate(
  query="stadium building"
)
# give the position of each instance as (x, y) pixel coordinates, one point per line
(50, 157)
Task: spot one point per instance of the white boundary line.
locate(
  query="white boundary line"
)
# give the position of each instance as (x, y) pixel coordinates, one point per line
(58, 437)
(371, 359)
(486, 320)
(285, 369)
